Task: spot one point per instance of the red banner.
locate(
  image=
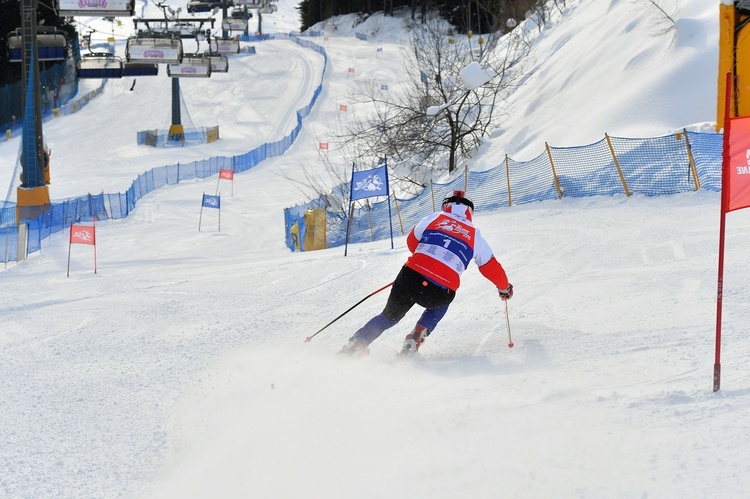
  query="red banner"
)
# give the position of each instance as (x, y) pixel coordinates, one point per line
(342, 107)
(323, 146)
(82, 234)
(736, 178)
(226, 174)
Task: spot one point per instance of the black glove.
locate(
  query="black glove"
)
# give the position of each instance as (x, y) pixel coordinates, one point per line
(506, 294)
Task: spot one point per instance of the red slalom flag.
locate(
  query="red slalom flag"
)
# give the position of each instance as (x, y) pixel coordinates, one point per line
(735, 195)
(225, 174)
(736, 177)
(82, 234)
(342, 107)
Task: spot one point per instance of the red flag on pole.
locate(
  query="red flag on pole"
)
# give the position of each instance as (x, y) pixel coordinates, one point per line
(82, 234)
(735, 195)
(225, 174)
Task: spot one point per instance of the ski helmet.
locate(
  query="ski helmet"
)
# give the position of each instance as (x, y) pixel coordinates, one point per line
(458, 197)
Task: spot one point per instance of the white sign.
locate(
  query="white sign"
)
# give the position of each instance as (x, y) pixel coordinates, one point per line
(188, 69)
(96, 7)
(154, 50)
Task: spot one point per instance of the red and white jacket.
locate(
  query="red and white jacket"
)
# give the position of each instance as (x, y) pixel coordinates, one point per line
(443, 244)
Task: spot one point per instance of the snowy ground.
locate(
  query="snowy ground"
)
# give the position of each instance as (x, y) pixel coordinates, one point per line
(179, 369)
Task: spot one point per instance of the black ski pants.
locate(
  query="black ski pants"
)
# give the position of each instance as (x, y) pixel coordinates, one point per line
(411, 287)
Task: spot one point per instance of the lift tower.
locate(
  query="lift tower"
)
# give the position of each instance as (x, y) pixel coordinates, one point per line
(33, 194)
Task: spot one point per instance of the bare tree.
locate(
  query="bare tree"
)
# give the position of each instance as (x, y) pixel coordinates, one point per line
(663, 21)
(401, 126)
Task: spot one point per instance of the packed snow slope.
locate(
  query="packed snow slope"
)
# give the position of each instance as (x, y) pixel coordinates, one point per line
(179, 368)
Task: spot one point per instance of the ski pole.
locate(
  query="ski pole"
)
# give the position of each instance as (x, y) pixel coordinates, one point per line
(507, 323)
(347, 311)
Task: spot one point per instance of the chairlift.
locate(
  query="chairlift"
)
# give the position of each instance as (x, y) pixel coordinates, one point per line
(150, 47)
(224, 46)
(233, 24)
(52, 45)
(139, 69)
(191, 66)
(158, 27)
(240, 14)
(219, 63)
(196, 7)
(181, 29)
(93, 8)
(99, 66)
(184, 29)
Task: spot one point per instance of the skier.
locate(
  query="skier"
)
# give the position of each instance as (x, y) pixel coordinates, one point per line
(442, 245)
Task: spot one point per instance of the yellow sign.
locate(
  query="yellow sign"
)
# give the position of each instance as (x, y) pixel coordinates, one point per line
(212, 134)
(315, 230)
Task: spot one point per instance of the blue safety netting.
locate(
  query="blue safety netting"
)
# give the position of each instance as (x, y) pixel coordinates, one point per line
(613, 166)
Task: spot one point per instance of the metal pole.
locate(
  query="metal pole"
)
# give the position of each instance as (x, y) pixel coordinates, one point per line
(722, 226)
(507, 323)
(307, 340)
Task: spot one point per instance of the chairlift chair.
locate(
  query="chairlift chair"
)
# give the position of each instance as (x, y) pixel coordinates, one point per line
(184, 29)
(139, 69)
(52, 45)
(233, 24)
(99, 66)
(224, 46)
(191, 66)
(15, 46)
(160, 28)
(240, 14)
(150, 47)
(181, 29)
(196, 7)
(219, 63)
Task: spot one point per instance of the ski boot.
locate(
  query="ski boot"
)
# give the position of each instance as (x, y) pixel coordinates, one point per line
(413, 341)
(354, 349)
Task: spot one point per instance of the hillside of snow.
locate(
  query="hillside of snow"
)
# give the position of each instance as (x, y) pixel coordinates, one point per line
(179, 369)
